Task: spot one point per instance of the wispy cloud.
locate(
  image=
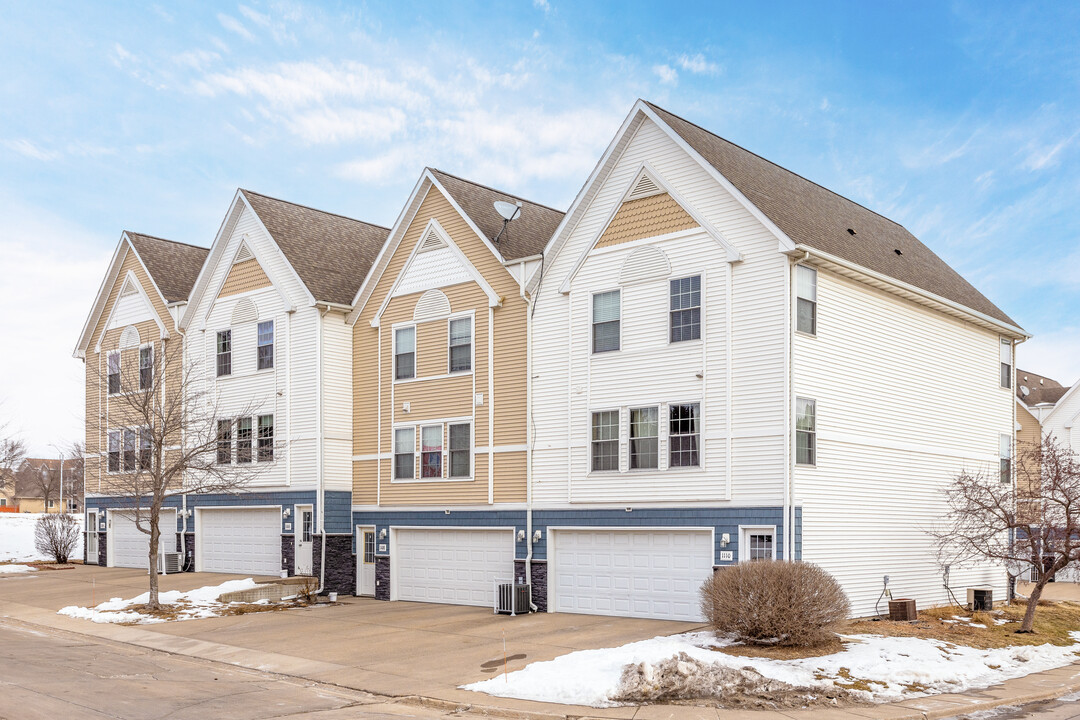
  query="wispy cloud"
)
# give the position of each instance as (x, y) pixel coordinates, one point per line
(28, 149)
(1043, 157)
(235, 26)
(542, 5)
(698, 65)
(667, 74)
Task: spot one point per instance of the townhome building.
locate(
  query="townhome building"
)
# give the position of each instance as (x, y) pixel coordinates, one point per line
(440, 347)
(1045, 408)
(135, 315)
(731, 363)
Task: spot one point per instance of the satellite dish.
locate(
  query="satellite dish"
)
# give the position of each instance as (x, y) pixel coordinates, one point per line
(509, 211)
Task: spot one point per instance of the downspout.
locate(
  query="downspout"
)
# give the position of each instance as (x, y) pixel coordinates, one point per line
(528, 438)
(320, 493)
(789, 434)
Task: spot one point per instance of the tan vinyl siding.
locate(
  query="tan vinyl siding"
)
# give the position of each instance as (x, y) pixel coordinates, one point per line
(646, 217)
(1028, 435)
(244, 277)
(441, 396)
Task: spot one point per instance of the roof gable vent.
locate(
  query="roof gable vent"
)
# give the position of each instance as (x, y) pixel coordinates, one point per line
(244, 311)
(244, 254)
(644, 187)
(129, 288)
(431, 241)
(129, 338)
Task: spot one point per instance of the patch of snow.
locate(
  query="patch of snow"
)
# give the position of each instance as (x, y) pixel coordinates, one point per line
(194, 604)
(12, 569)
(896, 667)
(978, 625)
(17, 537)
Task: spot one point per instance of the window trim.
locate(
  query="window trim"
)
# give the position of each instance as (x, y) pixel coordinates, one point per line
(744, 543)
(226, 443)
(630, 438)
(394, 453)
(442, 451)
(417, 430)
(152, 368)
(472, 343)
(469, 453)
(257, 427)
(592, 322)
(119, 435)
(218, 354)
(1006, 375)
(618, 440)
(700, 437)
(272, 345)
(119, 372)
(795, 324)
(394, 352)
(1005, 459)
(700, 306)
(813, 433)
(250, 441)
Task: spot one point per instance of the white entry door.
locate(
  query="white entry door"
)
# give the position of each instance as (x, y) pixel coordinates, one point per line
(365, 561)
(305, 519)
(91, 537)
(630, 573)
(450, 566)
(130, 547)
(238, 540)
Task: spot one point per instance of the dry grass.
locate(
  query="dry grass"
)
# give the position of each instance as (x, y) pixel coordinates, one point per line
(779, 652)
(175, 611)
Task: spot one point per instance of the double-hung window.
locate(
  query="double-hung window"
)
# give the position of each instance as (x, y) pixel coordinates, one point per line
(684, 432)
(1006, 363)
(114, 451)
(1006, 458)
(605, 321)
(685, 312)
(266, 345)
(224, 442)
(460, 437)
(114, 372)
(266, 438)
(145, 449)
(405, 353)
(404, 453)
(431, 451)
(224, 352)
(805, 432)
(461, 344)
(644, 438)
(146, 367)
(130, 447)
(243, 440)
(605, 440)
(806, 304)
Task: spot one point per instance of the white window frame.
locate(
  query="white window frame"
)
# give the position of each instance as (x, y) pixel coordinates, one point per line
(666, 422)
(394, 454)
(218, 354)
(252, 445)
(119, 434)
(630, 437)
(592, 322)
(814, 301)
(472, 343)
(618, 440)
(701, 309)
(1006, 374)
(813, 433)
(745, 531)
(273, 437)
(394, 354)
(217, 444)
(442, 451)
(470, 453)
(1005, 455)
(119, 372)
(272, 346)
(152, 366)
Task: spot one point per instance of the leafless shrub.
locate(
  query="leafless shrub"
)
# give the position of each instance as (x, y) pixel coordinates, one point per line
(57, 536)
(308, 590)
(775, 603)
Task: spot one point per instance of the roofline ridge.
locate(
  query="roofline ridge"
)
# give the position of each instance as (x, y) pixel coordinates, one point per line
(314, 209)
(777, 165)
(174, 242)
(496, 190)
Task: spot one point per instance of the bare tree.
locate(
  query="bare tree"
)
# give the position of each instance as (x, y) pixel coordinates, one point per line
(1035, 521)
(57, 536)
(12, 452)
(75, 471)
(38, 482)
(162, 438)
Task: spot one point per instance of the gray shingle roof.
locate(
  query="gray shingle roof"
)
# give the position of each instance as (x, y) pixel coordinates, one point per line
(174, 266)
(331, 253)
(1041, 389)
(526, 235)
(812, 215)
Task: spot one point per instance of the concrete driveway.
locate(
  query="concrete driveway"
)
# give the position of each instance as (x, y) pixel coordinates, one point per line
(394, 649)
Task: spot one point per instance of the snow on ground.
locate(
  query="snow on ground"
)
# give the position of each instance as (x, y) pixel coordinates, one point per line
(896, 667)
(17, 537)
(199, 603)
(11, 569)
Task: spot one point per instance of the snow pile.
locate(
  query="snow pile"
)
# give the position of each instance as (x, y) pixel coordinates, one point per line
(17, 537)
(11, 569)
(176, 605)
(872, 667)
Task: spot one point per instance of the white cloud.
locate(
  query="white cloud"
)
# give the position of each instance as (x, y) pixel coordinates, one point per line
(667, 74)
(542, 5)
(196, 59)
(328, 125)
(235, 26)
(698, 65)
(1044, 157)
(28, 149)
(1055, 355)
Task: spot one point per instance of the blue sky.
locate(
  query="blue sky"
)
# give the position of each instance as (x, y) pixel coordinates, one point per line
(961, 121)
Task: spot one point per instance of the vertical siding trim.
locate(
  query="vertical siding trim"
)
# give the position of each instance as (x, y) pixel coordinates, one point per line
(728, 278)
(491, 404)
(789, 407)
(288, 393)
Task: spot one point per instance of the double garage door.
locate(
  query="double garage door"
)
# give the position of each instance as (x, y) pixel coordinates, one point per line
(239, 540)
(129, 547)
(458, 567)
(629, 573)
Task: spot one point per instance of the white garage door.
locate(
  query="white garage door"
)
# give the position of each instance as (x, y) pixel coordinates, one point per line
(130, 547)
(450, 566)
(242, 541)
(631, 573)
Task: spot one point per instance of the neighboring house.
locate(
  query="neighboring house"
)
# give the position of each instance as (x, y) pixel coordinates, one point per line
(7, 489)
(439, 369)
(135, 315)
(34, 476)
(1046, 408)
(729, 363)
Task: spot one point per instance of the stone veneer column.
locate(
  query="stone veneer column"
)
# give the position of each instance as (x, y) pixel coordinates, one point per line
(382, 577)
(288, 554)
(539, 581)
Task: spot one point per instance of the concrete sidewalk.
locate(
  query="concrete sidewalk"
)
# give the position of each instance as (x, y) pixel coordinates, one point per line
(421, 653)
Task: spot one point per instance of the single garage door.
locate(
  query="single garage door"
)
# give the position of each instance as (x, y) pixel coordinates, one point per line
(130, 547)
(242, 541)
(631, 573)
(450, 566)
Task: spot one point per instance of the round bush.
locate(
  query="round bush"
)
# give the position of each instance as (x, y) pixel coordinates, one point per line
(774, 603)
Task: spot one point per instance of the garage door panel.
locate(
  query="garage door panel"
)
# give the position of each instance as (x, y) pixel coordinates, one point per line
(450, 566)
(241, 541)
(646, 573)
(130, 547)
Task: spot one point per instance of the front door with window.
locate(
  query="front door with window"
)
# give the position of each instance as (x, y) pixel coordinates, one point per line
(366, 556)
(91, 538)
(305, 518)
